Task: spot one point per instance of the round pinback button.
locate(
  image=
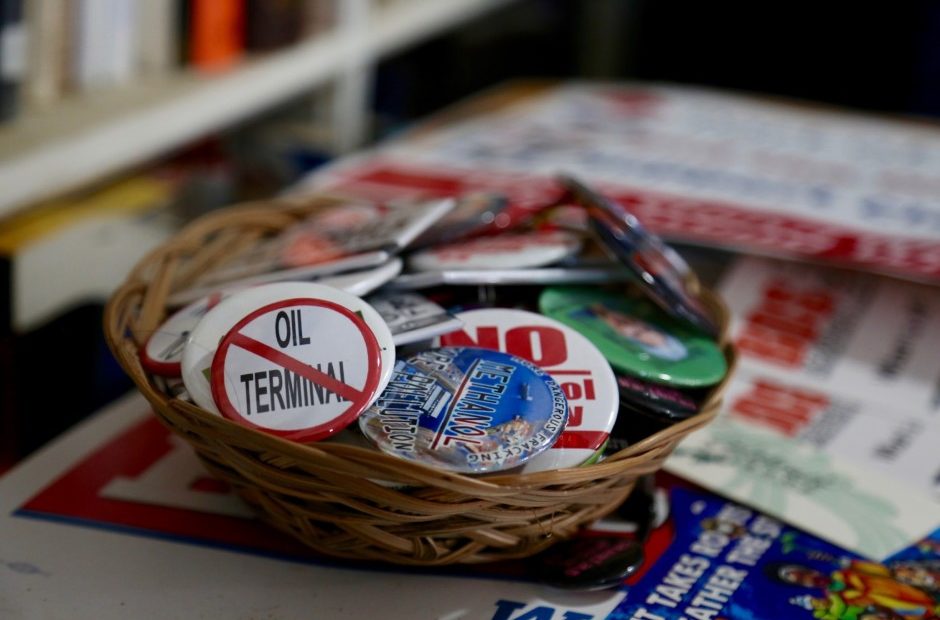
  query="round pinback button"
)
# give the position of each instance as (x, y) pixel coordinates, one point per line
(163, 351)
(467, 410)
(657, 266)
(207, 336)
(670, 402)
(301, 368)
(473, 213)
(172, 387)
(579, 368)
(636, 337)
(588, 562)
(664, 284)
(634, 424)
(506, 251)
(363, 282)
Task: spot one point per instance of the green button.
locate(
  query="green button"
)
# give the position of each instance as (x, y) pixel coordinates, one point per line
(636, 336)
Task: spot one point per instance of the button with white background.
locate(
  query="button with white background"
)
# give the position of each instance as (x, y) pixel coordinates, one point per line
(582, 371)
(163, 351)
(274, 356)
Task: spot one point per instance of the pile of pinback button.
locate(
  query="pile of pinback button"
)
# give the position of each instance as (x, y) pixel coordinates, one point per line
(467, 334)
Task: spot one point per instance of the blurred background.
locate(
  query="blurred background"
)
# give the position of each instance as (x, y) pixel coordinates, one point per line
(123, 119)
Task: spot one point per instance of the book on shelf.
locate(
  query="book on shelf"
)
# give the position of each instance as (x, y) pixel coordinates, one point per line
(216, 33)
(49, 42)
(318, 16)
(12, 55)
(273, 24)
(51, 50)
(158, 30)
(104, 32)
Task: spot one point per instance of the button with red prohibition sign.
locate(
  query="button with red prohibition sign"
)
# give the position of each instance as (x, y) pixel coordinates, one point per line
(301, 368)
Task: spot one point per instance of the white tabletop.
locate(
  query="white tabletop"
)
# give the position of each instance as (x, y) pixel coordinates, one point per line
(105, 523)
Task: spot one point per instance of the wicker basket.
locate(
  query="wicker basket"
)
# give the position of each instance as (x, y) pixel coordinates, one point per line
(328, 495)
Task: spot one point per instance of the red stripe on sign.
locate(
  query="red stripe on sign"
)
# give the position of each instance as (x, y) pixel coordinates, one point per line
(745, 226)
(679, 217)
(580, 440)
(297, 367)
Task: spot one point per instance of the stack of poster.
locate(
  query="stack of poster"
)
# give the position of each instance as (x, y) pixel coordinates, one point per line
(831, 421)
(694, 165)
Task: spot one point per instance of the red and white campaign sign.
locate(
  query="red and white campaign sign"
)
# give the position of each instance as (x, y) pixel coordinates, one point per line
(302, 369)
(143, 481)
(584, 375)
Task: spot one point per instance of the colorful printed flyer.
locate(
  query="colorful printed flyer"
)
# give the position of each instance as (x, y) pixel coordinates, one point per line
(919, 564)
(831, 420)
(726, 561)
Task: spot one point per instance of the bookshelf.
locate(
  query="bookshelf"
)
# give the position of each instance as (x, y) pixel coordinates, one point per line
(43, 154)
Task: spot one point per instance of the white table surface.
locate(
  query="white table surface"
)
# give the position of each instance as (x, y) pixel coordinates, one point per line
(70, 566)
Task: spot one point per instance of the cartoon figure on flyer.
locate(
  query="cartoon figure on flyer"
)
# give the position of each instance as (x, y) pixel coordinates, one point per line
(929, 547)
(859, 590)
(648, 337)
(923, 574)
(921, 571)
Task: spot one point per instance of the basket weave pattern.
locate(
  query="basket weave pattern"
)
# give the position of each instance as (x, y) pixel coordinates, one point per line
(351, 502)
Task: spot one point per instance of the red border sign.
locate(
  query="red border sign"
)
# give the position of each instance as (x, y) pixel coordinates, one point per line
(360, 399)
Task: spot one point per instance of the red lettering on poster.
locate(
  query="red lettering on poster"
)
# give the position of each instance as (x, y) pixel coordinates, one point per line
(785, 409)
(786, 324)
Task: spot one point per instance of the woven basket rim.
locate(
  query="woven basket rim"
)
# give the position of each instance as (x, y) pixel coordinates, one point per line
(272, 215)
(355, 502)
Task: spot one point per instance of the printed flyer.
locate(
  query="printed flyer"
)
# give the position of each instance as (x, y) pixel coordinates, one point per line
(873, 337)
(726, 561)
(896, 440)
(856, 507)
(831, 420)
(919, 564)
